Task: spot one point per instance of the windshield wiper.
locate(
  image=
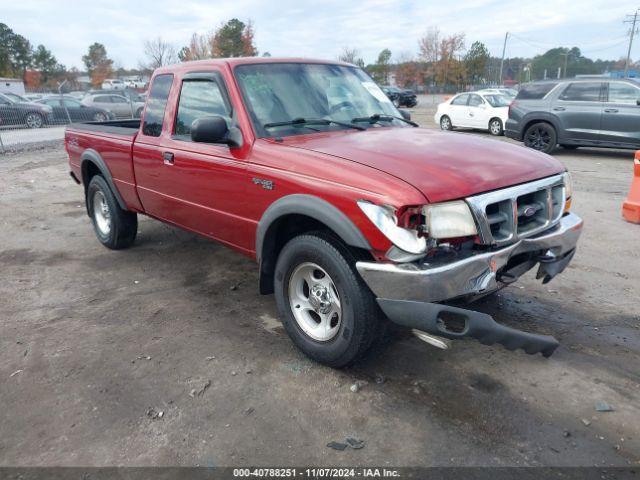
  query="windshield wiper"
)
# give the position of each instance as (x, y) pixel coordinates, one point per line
(303, 122)
(381, 117)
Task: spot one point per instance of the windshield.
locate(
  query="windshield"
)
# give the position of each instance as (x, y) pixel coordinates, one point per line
(282, 92)
(15, 97)
(497, 100)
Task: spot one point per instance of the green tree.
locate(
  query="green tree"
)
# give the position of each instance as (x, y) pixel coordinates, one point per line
(45, 63)
(6, 38)
(475, 62)
(20, 54)
(98, 64)
(380, 70)
(233, 39)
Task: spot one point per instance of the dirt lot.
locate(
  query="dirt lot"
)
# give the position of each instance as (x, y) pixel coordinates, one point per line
(90, 339)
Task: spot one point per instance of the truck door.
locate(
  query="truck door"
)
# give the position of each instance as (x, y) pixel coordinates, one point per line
(579, 110)
(198, 185)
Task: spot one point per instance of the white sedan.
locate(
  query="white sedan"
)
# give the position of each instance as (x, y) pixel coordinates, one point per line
(485, 111)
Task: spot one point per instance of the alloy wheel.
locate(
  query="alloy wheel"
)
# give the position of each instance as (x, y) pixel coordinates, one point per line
(315, 302)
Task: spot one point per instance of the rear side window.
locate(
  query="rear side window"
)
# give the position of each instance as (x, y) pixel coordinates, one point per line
(535, 91)
(156, 104)
(460, 100)
(582, 92)
(200, 98)
(623, 93)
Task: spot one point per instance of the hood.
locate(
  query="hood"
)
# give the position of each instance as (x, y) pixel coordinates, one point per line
(441, 165)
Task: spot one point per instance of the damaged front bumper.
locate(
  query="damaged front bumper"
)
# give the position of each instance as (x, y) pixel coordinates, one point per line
(472, 276)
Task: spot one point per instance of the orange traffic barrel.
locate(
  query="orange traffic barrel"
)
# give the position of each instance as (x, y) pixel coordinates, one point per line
(631, 206)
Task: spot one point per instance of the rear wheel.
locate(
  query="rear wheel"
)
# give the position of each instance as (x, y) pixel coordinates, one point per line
(541, 136)
(327, 310)
(115, 228)
(445, 123)
(34, 120)
(495, 127)
(100, 117)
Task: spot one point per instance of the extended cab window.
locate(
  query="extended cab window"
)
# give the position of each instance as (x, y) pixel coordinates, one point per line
(623, 93)
(200, 98)
(582, 92)
(460, 100)
(156, 103)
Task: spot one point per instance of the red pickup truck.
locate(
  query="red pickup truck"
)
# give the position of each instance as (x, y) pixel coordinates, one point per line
(354, 215)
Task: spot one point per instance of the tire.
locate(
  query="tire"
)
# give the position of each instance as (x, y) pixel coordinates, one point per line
(100, 117)
(541, 136)
(115, 228)
(34, 120)
(495, 127)
(139, 113)
(354, 319)
(445, 123)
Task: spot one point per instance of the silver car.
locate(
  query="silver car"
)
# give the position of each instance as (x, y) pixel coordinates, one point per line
(119, 105)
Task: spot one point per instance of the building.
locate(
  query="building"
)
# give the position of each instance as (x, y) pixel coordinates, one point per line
(11, 85)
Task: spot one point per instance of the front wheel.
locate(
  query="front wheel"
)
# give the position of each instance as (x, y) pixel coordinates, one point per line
(495, 127)
(541, 136)
(445, 123)
(100, 117)
(115, 228)
(327, 310)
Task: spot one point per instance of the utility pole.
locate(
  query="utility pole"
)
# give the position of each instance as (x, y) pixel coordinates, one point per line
(566, 58)
(632, 19)
(504, 49)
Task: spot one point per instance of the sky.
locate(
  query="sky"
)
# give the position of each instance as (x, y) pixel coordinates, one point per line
(320, 29)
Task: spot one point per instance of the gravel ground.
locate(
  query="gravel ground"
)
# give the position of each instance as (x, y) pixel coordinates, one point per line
(91, 340)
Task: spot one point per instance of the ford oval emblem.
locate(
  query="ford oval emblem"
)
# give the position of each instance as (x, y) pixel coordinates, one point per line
(529, 212)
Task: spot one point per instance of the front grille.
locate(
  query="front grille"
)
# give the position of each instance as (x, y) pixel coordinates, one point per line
(506, 215)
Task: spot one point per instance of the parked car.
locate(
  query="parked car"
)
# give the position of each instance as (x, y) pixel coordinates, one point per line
(119, 105)
(67, 109)
(479, 110)
(401, 98)
(14, 112)
(351, 213)
(506, 92)
(113, 84)
(576, 113)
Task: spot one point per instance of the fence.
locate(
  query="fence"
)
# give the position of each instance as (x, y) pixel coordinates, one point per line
(39, 117)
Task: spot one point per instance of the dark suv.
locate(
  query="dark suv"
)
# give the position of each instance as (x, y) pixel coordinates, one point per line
(581, 112)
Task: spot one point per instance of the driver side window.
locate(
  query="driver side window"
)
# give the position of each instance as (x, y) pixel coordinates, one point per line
(475, 101)
(199, 98)
(460, 100)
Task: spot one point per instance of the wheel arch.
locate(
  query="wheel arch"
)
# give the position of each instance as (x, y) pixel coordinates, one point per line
(91, 163)
(293, 215)
(527, 122)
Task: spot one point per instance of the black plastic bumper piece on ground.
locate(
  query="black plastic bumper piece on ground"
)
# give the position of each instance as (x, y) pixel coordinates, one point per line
(456, 323)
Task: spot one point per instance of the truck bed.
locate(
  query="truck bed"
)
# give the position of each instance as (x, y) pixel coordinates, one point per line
(117, 127)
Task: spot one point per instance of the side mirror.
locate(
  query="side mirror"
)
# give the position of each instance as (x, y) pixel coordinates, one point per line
(209, 130)
(405, 114)
(214, 129)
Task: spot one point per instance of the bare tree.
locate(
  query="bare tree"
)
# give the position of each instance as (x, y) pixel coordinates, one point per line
(429, 45)
(351, 55)
(159, 53)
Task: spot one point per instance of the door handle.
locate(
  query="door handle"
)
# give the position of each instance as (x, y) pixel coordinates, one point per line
(611, 110)
(168, 158)
(559, 109)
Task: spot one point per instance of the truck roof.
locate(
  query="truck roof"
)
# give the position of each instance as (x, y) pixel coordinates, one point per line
(232, 62)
